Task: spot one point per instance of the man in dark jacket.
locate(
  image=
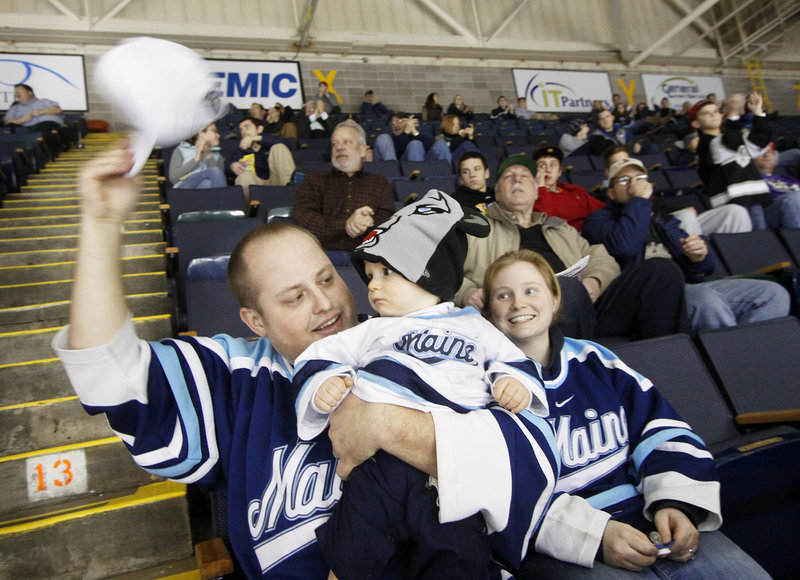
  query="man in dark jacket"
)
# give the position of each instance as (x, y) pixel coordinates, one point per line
(633, 231)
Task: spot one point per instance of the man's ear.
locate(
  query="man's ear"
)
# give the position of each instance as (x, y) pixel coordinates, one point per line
(259, 128)
(695, 124)
(486, 174)
(253, 320)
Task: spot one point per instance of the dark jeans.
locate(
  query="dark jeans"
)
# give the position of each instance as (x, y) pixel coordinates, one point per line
(387, 506)
(644, 301)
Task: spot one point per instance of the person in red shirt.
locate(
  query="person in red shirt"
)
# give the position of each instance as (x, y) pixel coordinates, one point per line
(556, 198)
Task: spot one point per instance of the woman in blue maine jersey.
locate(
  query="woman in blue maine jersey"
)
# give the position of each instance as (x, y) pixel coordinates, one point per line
(630, 465)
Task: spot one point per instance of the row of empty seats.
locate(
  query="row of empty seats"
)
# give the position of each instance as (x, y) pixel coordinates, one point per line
(739, 392)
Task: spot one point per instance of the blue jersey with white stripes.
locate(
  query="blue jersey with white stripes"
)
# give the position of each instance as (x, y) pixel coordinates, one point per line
(220, 412)
(622, 445)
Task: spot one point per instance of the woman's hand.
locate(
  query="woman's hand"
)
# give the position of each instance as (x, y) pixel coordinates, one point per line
(674, 526)
(626, 547)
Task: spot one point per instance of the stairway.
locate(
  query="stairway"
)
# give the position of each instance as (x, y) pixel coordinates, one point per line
(74, 503)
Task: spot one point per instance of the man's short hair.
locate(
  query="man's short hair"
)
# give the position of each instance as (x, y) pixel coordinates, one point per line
(500, 97)
(26, 87)
(253, 120)
(610, 152)
(243, 288)
(472, 155)
(258, 105)
(362, 135)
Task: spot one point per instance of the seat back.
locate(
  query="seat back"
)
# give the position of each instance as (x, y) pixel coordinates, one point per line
(271, 197)
(193, 200)
(387, 168)
(588, 180)
(437, 167)
(403, 188)
(791, 239)
(197, 240)
(676, 368)
(211, 309)
(749, 251)
(757, 364)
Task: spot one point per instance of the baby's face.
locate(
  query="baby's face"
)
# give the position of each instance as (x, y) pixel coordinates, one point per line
(390, 294)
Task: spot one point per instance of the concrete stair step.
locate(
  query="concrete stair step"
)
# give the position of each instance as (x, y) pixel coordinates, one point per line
(28, 294)
(37, 380)
(16, 347)
(57, 313)
(32, 258)
(22, 210)
(106, 538)
(65, 242)
(103, 467)
(70, 228)
(31, 427)
(63, 270)
(45, 199)
(153, 216)
(185, 569)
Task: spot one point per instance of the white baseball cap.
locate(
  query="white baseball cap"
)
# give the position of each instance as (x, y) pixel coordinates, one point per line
(164, 90)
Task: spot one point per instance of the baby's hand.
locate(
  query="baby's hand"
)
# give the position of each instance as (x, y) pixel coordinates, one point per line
(330, 393)
(511, 395)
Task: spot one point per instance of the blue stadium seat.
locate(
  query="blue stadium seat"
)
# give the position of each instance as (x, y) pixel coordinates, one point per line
(181, 201)
(748, 252)
(388, 168)
(424, 169)
(198, 240)
(589, 180)
(272, 196)
(685, 179)
(211, 309)
(580, 163)
(303, 156)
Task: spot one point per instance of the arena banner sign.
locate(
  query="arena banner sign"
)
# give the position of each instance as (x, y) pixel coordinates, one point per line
(681, 88)
(561, 91)
(244, 82)
(60, 78)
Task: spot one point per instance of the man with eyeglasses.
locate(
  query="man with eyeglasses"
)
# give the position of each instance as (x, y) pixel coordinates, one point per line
(632, 231)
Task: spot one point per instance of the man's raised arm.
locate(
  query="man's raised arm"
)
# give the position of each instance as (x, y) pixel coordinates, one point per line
(98, 308)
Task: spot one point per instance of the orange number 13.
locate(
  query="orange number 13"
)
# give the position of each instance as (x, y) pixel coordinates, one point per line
(66, 472)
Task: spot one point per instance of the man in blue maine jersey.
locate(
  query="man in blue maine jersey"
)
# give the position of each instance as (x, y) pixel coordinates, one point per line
(220, 411)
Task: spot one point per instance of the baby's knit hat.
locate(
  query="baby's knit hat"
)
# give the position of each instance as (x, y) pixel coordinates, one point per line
(425, 242)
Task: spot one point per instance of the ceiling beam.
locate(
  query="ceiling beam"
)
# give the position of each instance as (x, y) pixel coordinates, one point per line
(478, 29)
(112, 13)
(448, 20)
(700, 24)
(64, 10)
(715, 30)
(685, 21)
(508, 20)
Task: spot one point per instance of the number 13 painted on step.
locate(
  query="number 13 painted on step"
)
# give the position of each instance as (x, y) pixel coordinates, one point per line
(56, 475)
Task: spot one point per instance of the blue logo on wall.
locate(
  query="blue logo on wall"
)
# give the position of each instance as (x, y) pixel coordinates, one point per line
(551, 95)
(27, 69)
(282, 85)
